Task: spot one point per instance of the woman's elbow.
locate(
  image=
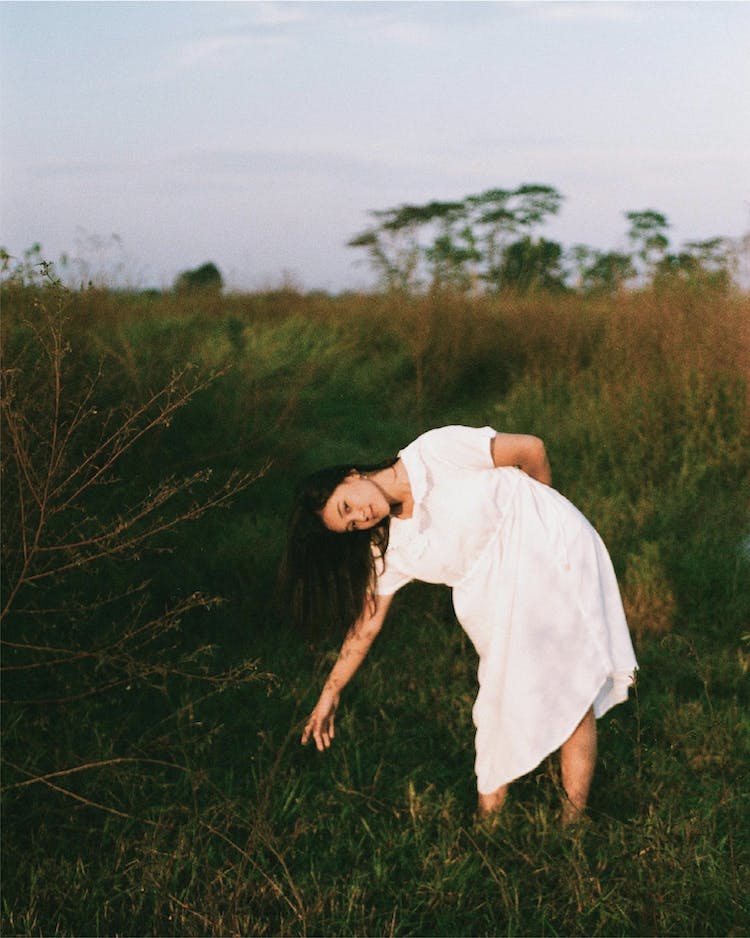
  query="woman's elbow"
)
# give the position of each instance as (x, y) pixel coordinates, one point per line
(537, 449)
(538, 463)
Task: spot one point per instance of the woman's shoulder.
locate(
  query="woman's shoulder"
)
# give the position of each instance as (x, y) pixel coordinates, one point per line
(456, 445)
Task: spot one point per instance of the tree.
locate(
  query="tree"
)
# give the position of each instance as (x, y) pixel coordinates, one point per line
(602, 271)
(206, 278)
(699, 262)
(453, 243)
(647, 233)
(393, 247)
(501, 214)
(454, 248)
(530, 265)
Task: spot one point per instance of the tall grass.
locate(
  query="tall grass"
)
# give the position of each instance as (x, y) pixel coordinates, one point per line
(173, 798)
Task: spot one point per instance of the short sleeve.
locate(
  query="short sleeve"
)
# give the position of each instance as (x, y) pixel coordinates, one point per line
(390, 579)
(459, 447)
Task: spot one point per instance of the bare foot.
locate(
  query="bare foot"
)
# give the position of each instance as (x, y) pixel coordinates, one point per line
(492, 803)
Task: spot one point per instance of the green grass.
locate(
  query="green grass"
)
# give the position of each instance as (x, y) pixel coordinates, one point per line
(166, 792)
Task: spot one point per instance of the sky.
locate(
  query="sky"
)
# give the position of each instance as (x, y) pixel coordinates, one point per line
(152, 137)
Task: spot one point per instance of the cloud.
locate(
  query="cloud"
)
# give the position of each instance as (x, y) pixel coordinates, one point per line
(415, 25)
(276, 14)
(215, 48)
(247, 25)
(297, 162)
(403, 32)
(412, 24)
(75, 169)
(519, 140)
(578, 10)
(217, 166)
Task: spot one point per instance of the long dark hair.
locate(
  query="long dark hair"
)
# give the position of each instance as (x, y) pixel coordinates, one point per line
(328, 577)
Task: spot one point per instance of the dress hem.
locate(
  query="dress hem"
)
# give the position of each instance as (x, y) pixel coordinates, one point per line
(617, 688)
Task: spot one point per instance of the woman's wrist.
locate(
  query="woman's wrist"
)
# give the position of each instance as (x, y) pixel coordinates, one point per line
(331, 689)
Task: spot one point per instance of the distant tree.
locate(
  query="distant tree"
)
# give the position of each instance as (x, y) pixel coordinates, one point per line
(206, 278)
(530, 265)
(581, 256)
(454, 243)
(699, 262)
(396, 251)
(454, 249)
(602, 271)
(393, 248)
(489, 237)
(647, 234)
(501, 215)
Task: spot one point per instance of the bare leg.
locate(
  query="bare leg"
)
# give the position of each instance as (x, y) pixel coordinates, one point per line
(493, 802)
(577, 761)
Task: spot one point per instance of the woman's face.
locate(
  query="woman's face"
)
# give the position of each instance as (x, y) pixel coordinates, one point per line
(355, 505)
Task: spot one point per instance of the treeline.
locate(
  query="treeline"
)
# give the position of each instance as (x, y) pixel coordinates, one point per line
(34, 269)
(489, 241)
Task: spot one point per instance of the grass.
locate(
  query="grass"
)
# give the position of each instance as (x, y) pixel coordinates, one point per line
(166, 792)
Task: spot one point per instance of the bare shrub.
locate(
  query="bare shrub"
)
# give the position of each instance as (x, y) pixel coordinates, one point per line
(77, 624)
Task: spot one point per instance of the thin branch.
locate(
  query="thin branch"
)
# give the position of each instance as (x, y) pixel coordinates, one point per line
(168, 489)
(83, 410)
(53, 663)
(73, 698)
(18, 450)
(87, 801)
(100, 764)
(25, 647)
(81, 606)
(128, 433)
(192, 514)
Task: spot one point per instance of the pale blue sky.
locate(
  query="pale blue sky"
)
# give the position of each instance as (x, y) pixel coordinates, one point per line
(258, 135)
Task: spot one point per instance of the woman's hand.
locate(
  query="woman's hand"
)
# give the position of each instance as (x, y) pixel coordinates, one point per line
(357, 643)
(321, 723)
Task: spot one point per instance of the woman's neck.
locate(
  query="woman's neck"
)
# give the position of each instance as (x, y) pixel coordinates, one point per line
(393, 482)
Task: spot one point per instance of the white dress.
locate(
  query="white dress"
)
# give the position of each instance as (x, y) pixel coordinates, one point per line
(533, 587)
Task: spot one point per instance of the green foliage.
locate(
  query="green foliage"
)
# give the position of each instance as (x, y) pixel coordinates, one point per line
(647, 233)
(604, 272)
(701, 264)
(153, 782)
(487, 239)
(206, 278)
(531, 266)
(454, 244)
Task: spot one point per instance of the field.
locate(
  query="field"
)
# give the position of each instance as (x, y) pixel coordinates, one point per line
(153, 781)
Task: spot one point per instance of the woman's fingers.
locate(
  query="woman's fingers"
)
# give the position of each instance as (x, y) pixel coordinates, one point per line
(320, 736)
(312, 729)
(324, 737)
(321, 729)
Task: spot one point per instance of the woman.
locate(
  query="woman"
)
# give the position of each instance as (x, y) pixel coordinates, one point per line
(533, 587)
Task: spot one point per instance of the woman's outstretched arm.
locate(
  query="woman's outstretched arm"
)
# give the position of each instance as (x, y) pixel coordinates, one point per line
(522, 450)
(320, 725)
